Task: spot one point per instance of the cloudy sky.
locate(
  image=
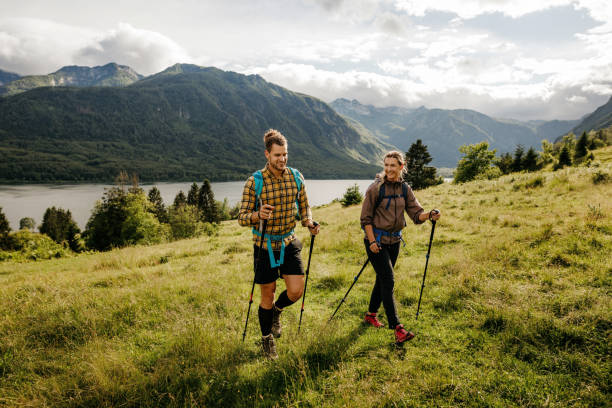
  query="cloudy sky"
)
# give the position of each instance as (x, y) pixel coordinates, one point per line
(521, 59)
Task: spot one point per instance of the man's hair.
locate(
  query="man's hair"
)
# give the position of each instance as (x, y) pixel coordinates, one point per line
(273, 136)
(399, 157)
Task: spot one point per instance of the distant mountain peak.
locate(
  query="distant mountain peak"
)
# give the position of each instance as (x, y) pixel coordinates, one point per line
(6, 77)
(111, 74)
(443, 130)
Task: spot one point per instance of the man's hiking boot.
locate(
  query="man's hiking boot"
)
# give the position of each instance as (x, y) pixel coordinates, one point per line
(276, 325)
(402, 335)
(268, 346)
(370, 318)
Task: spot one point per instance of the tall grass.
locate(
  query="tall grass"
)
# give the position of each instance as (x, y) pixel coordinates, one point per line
(516, 311)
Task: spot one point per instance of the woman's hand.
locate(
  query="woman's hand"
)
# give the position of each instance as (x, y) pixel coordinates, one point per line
(434, 215)
(374, 247)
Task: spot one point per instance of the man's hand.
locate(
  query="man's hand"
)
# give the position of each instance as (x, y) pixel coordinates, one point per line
(265, 212)
(313, 227)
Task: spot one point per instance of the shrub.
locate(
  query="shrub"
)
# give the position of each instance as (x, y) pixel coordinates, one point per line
(185, 222)
(352, 196)
(27, 245)
(476, 161)
(122, 218)
(600, 177)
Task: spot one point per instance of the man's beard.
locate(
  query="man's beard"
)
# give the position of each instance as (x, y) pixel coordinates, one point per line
(277, 166)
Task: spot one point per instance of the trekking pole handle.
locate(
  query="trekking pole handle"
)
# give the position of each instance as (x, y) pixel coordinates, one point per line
(314, 225)
(432, 213)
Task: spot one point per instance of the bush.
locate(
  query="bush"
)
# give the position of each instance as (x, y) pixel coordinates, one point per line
(490, 174)
(123, 218)
(26, 245)
(352, 196)
(27, 223)
(476, 162)
(185, 222)
(600, 177)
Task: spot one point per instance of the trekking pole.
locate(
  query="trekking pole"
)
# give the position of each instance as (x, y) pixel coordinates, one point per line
(263, 232)
(433, 227)
(312, 238)
(347, 292)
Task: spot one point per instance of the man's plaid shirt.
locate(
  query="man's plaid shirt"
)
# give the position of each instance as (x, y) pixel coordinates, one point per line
(281, 193)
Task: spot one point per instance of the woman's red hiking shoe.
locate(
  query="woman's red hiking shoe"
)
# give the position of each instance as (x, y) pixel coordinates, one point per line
(402, 335)
(370, 318)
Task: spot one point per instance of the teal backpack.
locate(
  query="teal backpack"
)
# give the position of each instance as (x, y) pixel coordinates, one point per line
(258, 178)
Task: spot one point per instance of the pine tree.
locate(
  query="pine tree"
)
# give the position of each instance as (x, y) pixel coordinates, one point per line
(4, 224)
(193, 195)
(505, 163)
(517, 163)
(58, 224)
(207, 203)
(581, 146)
(159, 209)
(565, 159)
(418, 174)
(180, 199)
(530, 162)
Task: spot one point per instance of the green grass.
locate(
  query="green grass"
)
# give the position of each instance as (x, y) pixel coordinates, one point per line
(516, 311)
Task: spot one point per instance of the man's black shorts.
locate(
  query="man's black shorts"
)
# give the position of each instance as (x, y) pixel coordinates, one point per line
(291, 266)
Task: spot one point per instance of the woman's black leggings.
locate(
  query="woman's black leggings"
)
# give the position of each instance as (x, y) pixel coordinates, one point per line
(383, 263)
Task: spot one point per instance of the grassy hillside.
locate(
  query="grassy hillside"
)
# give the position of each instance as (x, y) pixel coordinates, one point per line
(517, 311)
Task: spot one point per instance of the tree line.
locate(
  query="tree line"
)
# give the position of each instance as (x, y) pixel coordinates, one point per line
(126, 215)
(479, 162)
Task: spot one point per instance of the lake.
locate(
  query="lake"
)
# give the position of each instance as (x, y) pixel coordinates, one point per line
(30, 200)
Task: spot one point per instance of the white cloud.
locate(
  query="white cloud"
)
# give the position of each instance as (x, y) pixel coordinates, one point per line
(353, 11)
(31, 46)
(145, 51)
(550, 99)
(473, 8)
(34, 46)
(353, 49)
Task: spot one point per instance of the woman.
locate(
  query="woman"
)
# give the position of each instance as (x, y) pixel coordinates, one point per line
(382, 218)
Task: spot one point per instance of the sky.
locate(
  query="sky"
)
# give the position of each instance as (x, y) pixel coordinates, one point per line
(516, 59)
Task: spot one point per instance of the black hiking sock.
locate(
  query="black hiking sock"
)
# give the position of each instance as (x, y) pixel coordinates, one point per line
(265, 320)
(283, 301)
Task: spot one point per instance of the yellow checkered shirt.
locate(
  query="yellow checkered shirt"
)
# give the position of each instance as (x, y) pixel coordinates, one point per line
(281, 193)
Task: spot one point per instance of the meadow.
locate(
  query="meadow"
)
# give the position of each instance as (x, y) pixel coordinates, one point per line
(517, 311)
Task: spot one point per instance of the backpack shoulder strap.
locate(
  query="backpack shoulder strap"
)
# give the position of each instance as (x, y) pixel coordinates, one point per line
(258, 179)
(297, 176)
(405, 191)
(381, 193)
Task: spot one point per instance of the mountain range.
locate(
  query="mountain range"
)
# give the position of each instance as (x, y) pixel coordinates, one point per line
(189, 122)
(185, 123)
(108, 75)
(601, 118)
(443, 131)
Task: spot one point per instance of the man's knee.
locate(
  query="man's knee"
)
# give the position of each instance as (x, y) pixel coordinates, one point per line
(295, 293)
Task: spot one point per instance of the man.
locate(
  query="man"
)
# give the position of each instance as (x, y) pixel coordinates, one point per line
(271, 194)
